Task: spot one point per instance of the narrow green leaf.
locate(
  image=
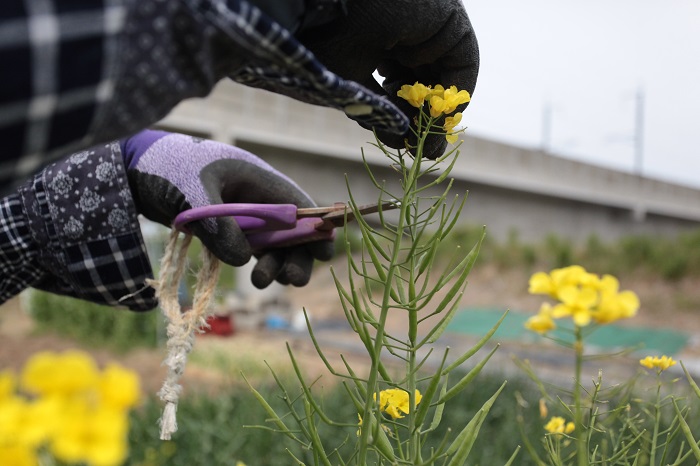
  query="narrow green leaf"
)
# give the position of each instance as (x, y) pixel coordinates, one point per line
(687, 432)
(512, 458)
(430, 390)
(270, 411)
(313, 434)
(459, 386)
(467, 263)
(472, 351)
(692, 383)
(462, 445)
(437, 416)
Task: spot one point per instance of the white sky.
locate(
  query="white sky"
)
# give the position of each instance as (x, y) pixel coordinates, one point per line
(587, 60)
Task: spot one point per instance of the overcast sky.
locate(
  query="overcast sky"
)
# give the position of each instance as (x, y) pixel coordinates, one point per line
(587, 61)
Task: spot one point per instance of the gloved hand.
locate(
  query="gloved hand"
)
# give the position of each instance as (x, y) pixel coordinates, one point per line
(169, 173)
(430, 41)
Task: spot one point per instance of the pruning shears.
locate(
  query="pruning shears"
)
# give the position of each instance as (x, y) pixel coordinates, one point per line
(280, 225)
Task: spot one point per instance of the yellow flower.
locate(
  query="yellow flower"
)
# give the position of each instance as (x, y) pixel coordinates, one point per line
(8, 382)
(541, 283)
(119, 387)
(438, 90)
(577, 302)
(614, 305)
(447, 102)
(59, 374)
(662, 363)
(415, 94)
(543, 408)
(557, 425)
(94, 435)
(18, 455)
(542, 322)
(583, 296)
(395, 402)
(450, 123)
(552, 283)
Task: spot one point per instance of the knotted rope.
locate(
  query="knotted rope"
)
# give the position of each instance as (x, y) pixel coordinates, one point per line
(182, 327)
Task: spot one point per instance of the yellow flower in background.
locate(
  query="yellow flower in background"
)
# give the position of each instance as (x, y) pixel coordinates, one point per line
(449, 126)
(119, 387)
(583, 296)
(661, 363)
(552, 283)
(395, 402)
(558, 425)
(415, 94)
(94, 435)
(76, 412)
(542, 322)
(614, 305)
(59, 374)
(541, 283)
(543, 408)
(576, 302)
(18, 455)
(8, 382)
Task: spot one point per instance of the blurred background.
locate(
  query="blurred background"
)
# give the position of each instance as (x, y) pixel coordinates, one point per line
(580, 147)
(611, 83)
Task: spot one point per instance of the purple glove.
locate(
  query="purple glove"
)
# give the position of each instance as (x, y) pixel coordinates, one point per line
(169, 173)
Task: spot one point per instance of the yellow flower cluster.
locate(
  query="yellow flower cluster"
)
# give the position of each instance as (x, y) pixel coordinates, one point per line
(395, 402)
(65, 404)
(557, 425)
(660, 364)
(441, 102)
(582, 295)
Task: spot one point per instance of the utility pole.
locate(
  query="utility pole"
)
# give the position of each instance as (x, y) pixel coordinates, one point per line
(547, 127)
(639, 133)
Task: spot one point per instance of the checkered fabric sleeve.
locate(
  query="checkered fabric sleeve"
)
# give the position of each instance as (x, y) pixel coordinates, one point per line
(79, 72)
(73, 229)
(19, 267)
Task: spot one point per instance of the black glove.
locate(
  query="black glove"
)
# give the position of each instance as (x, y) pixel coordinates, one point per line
(430, 41)
(169, 173)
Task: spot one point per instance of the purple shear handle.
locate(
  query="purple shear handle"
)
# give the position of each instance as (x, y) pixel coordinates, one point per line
(265, 225)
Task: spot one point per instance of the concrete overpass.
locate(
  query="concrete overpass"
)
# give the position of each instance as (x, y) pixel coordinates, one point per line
(510, 188)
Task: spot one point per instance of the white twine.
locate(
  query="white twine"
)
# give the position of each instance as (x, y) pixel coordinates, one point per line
(182, 327)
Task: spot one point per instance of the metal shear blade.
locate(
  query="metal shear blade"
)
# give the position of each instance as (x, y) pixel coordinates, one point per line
(340, 213)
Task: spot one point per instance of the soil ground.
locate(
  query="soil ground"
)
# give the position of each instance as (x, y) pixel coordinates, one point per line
(664, 305)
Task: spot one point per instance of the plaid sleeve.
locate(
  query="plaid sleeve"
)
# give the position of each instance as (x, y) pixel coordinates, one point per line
(79, 72)
(73, 230)
(19, 267)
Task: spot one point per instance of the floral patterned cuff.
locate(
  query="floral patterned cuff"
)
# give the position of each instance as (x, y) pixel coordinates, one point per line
(82, 217)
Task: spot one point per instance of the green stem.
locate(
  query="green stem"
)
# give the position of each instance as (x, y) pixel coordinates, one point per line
(657, 421)
(581, 432)
(413, 430)
(379, 337)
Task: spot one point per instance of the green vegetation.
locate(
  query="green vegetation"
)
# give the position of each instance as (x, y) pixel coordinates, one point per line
(211, 428)
(671, 258)
(212, 432)
(94, 324)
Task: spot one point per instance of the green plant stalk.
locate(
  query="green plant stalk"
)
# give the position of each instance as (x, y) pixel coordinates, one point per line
(685, 428)
(581, 433)
(414, 436)
(657, 419)
(379, 337)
